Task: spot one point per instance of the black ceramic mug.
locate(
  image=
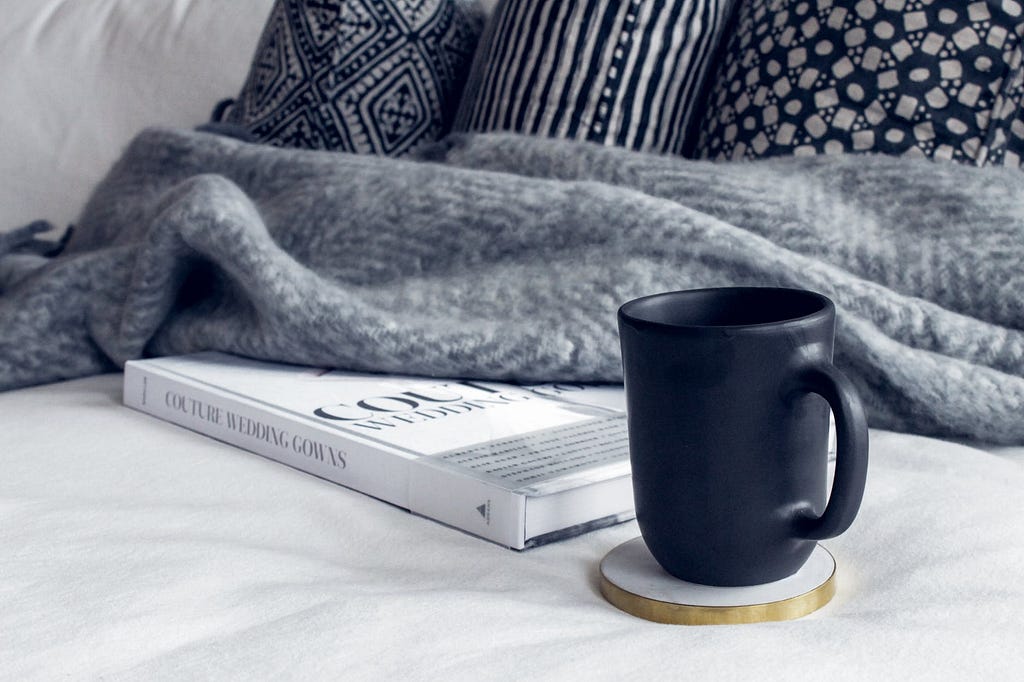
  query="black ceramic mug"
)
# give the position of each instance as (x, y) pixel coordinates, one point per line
(728, 431)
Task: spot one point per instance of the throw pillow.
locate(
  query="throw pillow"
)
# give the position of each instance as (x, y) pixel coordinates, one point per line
(368, 76)
(622, 72)
(937, 78)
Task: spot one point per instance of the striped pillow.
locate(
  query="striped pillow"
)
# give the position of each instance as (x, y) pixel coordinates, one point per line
(617, 72)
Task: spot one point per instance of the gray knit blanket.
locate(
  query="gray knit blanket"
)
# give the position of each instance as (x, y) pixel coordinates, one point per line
(504, 257)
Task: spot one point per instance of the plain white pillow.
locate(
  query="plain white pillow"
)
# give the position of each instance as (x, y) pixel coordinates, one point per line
(79, 78)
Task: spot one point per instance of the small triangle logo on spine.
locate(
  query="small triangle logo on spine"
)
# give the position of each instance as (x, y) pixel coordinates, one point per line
(485, 511)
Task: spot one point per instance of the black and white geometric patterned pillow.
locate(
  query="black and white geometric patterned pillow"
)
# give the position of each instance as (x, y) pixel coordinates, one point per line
(620, 72)
(366, 76)
(937, 78)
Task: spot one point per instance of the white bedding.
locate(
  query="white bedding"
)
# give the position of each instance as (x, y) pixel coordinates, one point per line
(134, 549)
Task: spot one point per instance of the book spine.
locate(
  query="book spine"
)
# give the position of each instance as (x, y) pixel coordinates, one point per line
(407, 481)
(265, 432)
(474, 506)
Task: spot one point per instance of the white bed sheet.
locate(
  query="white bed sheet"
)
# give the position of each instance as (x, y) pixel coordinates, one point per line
(134, 549)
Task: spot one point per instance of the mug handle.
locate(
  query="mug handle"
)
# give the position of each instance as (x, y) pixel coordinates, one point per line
(851, 453)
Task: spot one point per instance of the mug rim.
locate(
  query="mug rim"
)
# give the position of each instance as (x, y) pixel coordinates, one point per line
(827, 308)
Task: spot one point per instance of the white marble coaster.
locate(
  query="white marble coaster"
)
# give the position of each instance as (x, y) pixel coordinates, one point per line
(632, 580)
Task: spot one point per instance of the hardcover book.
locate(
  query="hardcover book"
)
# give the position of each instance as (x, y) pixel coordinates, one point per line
(518, 465)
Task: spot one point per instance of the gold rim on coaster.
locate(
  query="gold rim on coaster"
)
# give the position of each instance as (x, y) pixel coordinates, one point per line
(675, 613)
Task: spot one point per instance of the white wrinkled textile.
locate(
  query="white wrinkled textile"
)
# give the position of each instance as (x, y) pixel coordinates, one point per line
(134, 549)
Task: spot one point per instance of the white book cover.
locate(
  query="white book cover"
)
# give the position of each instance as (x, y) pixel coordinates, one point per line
(520, 465)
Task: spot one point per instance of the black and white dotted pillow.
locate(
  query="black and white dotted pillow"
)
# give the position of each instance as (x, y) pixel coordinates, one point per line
(937, 78)
(366, 76)
(618, 72)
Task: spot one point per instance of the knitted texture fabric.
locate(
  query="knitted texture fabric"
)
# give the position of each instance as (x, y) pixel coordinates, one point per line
(504, 257)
